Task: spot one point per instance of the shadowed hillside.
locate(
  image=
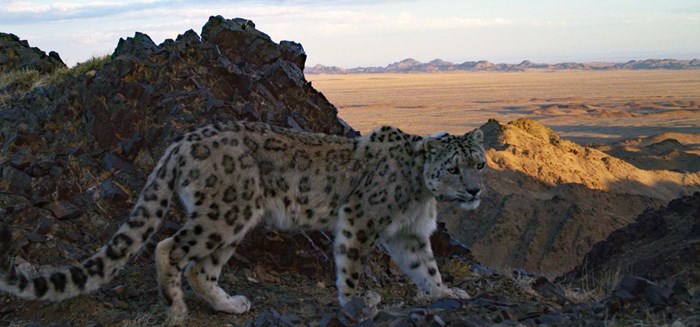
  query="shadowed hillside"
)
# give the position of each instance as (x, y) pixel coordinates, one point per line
(660, 244)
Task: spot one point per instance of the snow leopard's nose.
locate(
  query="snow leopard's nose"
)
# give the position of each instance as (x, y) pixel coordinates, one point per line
(473, 191)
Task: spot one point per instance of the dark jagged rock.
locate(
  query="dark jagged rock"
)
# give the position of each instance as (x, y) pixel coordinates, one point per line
(272, 318)
(64, 210)
(293, 52)
(636, 291)
(16, 181)
(549, 290)
(139, 46)
(446, 304)
(158, 90)
(660, 244)
(22, 158)
(17, 54)
(444, 245)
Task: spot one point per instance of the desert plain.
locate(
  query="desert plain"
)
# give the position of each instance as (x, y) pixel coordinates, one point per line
(586, 107)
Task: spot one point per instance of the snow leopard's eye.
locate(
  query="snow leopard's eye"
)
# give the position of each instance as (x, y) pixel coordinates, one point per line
(453, 170)
(481, 165)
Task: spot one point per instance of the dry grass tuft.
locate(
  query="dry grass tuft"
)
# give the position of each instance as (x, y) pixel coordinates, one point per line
(20, 79)
(80, 69)
(24, 80)
(598, 286)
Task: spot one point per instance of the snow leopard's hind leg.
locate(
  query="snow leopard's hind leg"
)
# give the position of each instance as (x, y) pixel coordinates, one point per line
(173, 255)
(201, 245)
(169, 282)
(203, 277)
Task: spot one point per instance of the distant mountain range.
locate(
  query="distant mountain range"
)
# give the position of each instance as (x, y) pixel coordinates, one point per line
(411, 65)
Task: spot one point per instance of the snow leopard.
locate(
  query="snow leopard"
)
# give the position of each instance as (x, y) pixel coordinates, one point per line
(380, 188)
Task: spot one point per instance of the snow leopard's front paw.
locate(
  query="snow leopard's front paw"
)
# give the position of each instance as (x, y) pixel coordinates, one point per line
(232, 304)
(442, 293)
(362, 307)
(372, 300)
(456, 293)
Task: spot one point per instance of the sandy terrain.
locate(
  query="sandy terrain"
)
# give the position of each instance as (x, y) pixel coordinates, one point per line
(582, 106)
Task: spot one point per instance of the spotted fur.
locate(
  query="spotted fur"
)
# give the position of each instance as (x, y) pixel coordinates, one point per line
(230, 178)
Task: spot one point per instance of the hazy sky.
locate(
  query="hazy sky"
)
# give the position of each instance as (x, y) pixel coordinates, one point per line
(376, 33)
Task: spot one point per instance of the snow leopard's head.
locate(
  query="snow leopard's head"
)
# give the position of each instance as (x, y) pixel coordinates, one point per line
(454, 166)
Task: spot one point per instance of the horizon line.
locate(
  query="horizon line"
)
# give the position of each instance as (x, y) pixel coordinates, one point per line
(448, 62)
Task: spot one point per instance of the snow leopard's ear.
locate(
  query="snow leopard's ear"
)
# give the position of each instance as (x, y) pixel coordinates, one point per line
(432, 145)
(476, 136)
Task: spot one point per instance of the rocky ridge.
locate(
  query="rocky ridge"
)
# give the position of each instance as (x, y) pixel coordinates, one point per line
(74, 153)
(527, 146)
(411, 65)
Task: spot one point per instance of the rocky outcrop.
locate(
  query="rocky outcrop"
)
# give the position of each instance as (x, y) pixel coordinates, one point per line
(411, 65)
(549, 200)
(17, 54)
(661, 244)
(76, 151)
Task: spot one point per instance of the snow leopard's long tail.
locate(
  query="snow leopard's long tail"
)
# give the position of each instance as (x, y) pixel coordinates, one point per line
(69, 281)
